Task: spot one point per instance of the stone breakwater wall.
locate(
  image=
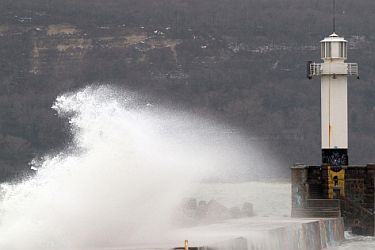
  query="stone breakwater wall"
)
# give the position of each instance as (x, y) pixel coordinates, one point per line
(313, 235)
(303, 234)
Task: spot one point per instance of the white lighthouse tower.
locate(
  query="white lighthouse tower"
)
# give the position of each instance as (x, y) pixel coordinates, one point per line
(334, 188)
(334, 72)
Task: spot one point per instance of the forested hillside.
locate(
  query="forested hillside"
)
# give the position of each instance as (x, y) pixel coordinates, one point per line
(238, 61)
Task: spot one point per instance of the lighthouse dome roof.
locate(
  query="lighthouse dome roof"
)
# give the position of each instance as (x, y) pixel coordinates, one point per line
(333, 38)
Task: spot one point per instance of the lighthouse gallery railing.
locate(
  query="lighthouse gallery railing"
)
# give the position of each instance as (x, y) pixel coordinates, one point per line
(316, 69)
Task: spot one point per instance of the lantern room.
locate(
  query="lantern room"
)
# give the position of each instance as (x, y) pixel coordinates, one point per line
(334, 48)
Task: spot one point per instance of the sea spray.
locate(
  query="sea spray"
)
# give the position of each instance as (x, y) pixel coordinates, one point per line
(128, 168)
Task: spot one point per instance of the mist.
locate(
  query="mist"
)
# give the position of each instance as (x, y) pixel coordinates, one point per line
(121, 179)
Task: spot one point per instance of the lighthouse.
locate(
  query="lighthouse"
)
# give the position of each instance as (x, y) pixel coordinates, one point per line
(333, 188)
(334, 72)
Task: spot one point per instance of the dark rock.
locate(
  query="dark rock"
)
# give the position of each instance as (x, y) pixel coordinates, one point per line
(201, 209)
(190, 203)
(247, 209)
(215, 210)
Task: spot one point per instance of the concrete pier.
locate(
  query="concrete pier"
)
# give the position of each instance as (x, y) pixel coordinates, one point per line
(259, 233)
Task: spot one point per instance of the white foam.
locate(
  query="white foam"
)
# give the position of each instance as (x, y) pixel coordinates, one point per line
(127, 169)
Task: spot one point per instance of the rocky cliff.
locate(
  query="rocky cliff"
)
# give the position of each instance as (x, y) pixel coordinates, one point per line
(242, 62)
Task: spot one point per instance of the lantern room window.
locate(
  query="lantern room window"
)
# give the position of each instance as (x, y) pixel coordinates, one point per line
(326, 50)
(345, 50)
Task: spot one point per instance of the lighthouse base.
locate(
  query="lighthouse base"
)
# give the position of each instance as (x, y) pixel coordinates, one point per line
(335, 157)
(325, 191)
